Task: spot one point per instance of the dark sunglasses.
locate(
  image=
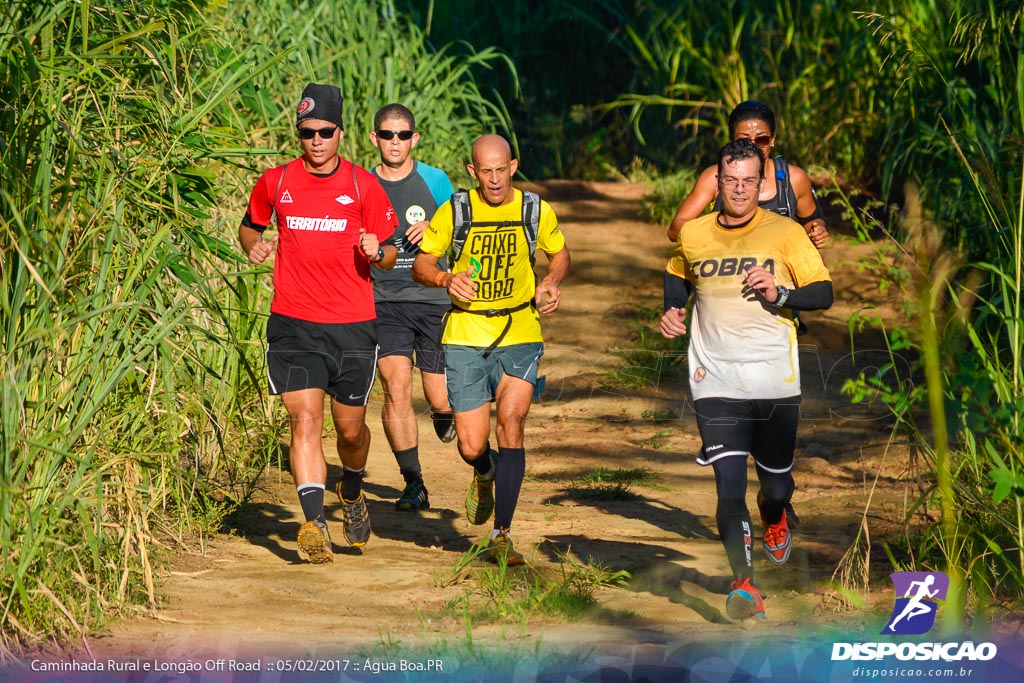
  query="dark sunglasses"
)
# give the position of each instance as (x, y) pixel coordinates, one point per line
(762, 140)
(310, 133)
(403, 135)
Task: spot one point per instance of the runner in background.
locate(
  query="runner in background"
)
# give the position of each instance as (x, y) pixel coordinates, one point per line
(409, 315)
(787, 190)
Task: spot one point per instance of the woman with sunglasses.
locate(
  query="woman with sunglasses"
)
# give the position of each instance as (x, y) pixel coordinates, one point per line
(787, 189)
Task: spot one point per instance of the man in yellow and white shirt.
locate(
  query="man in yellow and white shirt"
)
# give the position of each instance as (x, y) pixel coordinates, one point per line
(749, 270)
(492, 338)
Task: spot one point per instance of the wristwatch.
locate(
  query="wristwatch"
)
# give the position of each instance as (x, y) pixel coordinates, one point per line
(783, 295)
(380, 255)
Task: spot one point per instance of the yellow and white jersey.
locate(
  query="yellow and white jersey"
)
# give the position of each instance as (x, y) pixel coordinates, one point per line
(741, 347)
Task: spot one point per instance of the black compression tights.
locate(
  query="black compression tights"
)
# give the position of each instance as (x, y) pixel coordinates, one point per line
(732, 515)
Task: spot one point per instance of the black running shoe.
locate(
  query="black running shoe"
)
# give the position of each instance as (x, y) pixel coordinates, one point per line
(357, 521)
(444, 425)
(414, 497)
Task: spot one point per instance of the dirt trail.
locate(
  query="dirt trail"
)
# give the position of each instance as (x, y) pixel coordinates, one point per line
(248, 594)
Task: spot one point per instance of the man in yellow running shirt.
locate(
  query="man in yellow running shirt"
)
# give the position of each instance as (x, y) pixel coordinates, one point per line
(749, 271)
(492, 339)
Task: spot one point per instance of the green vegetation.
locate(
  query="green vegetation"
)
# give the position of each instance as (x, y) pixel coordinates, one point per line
(376, 56)
(514, 595)
(132, 407)
(959, 266)
(604, 484)
(652, 359)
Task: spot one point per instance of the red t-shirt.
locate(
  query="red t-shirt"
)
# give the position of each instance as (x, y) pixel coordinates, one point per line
(320, 274)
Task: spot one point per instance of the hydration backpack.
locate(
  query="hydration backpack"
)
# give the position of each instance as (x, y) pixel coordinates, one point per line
(462, 221)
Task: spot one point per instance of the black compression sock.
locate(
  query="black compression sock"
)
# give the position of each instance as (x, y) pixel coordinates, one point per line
(351, 483)
(409, 464)
(482, 462)
(508, 480)
(311, 498)
(737, 536)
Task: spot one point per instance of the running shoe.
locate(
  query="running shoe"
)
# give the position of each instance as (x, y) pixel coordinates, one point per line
(778, 541)
(500, 550)
(444, 425)
(414, 497)
(357, 521)
(314, 542)
(480, 497)
(744, 601)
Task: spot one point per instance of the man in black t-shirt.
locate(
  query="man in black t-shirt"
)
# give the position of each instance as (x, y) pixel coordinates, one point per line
(409, 315)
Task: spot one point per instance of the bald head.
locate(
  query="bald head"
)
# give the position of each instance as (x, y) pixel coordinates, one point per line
(491, 145)
(493, 168)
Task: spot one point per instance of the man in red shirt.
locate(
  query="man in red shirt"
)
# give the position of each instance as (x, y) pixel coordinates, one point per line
(334, 224)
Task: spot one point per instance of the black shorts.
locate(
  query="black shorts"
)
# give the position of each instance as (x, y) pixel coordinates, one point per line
(764, 428)
(338, 358)
(407, 326)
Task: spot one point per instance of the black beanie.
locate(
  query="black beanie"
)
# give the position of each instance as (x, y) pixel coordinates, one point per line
(320, 102)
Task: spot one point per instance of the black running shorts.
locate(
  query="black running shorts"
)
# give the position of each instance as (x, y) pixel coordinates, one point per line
(338, 358)
(404, 327)
(764, 428)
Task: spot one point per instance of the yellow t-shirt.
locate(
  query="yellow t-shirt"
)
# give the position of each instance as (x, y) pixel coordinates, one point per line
(741, 347)
(500, 260)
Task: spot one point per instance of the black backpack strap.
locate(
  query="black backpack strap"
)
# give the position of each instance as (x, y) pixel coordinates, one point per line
(531, 220)
(494, 313)
(462, 219)
(784, 187)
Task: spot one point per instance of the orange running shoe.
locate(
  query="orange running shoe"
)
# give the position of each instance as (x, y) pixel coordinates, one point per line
(744, 601)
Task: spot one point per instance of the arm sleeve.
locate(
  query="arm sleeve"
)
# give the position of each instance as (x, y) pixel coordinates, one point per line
(677, 291)
(815, 296)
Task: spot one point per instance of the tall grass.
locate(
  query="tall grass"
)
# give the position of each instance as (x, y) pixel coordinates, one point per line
(814, 63)
(109, 392)
(132, 407)
(968, 286)
(376, 56)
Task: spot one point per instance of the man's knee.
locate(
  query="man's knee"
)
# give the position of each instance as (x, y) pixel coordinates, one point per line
(352, 433)
(778, 488)
(731, 508)
(306, 423)
(472, 446)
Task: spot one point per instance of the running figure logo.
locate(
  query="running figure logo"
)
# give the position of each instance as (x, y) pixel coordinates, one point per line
(914, 613)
